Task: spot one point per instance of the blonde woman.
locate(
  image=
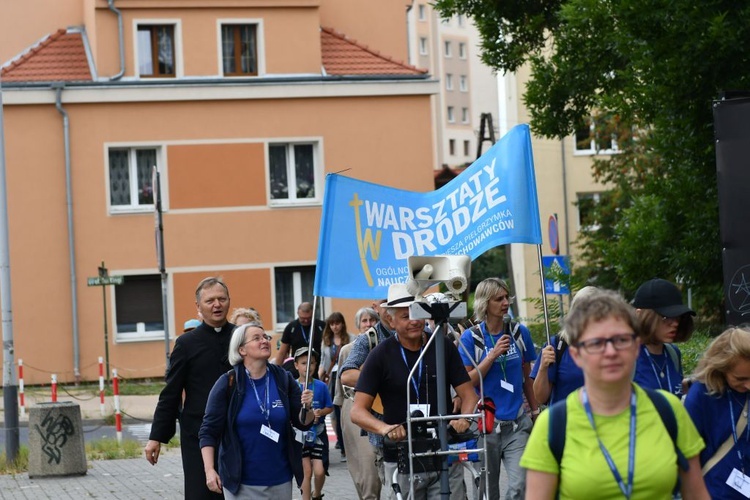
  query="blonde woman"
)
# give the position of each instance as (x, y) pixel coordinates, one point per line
(718, 404)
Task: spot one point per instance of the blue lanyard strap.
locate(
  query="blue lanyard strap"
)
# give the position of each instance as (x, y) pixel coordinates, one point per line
(666, 369)
(627, 490)
(734, 432)
(265, 409)
(304, 335)
(418, 382)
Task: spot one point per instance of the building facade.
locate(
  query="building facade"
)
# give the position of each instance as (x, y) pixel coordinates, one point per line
(243, 107)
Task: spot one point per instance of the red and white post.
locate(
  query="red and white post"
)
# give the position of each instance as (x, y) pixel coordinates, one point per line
(54, 388)
(101, 384)
(118, 417)
(22, 399)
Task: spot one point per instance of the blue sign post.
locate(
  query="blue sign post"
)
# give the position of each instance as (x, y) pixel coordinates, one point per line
(555, 265)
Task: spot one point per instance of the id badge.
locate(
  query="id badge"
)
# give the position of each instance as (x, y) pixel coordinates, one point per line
(739, 482)
(269, 433)
(506, 385)
(425, 409)
(299, 436)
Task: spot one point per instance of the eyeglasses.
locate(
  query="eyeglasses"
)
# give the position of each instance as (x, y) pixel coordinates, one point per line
(598, 345)
(257, 338)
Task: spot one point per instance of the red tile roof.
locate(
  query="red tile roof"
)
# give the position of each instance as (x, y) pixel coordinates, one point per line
(343, 56)
(61, 57)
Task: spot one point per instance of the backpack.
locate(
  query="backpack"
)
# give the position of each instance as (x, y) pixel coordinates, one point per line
(674, 356)
(558, 419)
(479, 345)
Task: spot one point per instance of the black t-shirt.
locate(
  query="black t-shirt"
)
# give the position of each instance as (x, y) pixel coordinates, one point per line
(385, 372)
(298, 336)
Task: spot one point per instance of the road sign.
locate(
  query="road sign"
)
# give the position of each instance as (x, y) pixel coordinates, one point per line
(106, 280)
(555, 265)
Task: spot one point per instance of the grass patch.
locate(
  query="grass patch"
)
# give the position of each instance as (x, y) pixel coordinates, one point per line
(109, 449)
(17, 466)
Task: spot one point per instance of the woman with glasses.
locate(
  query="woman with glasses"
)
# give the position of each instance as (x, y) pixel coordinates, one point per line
(663, 319)
(249, 418)
(615, 443)
(718, 404)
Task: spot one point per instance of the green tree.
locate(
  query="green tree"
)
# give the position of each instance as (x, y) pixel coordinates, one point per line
(649, 71)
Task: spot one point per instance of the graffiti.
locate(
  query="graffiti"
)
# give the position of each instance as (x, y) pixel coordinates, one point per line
(55, 433)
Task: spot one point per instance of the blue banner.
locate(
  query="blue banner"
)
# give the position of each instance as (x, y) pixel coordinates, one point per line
(368, 231)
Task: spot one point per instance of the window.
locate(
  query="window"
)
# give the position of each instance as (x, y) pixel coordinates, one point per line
(447, 49)
(589, 140)
(585, 137)
(462, 50)
(156, 50)
(423, 46)
(451, 114)
(467, 148)
(130, 171)
(462, 83)
(239, 49)
(460, 19)
(138, 308)
(465, 115)
(448, 81)
(422, 12)
(293, 286)
(451, 147)
(587, 203)
(293, 172)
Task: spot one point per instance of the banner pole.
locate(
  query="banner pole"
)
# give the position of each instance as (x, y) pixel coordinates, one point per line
(310, 343)
(544, 293)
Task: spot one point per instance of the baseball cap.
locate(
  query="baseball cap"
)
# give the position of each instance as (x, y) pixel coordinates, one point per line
(302, 351)
(190, 324)
(663, 297)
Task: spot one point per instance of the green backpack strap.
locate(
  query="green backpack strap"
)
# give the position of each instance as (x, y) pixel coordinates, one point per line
(674, 355)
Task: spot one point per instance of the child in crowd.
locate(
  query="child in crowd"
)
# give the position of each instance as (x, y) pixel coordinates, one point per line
(315, 441)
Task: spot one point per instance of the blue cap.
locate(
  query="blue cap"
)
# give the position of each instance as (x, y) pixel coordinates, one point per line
(190, 324)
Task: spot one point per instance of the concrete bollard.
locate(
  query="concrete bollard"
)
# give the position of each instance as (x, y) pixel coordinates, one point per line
(56, 446)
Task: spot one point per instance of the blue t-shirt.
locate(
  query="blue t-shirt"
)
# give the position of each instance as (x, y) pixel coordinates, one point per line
(658, 371)
(260, 453)
(565, 378)
(508, 367)
(712, 417)
(321, 399)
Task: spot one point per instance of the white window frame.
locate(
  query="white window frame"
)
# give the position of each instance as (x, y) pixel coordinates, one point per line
(593, 148)
(460, 20)
(451, 115)
(422, 12)
(423, 46)
(318, 171)
(464, 115)
(447, 50)
(463, 83)
(597, 199)
(297, 292)
(140, 335)
(160, 165)
(461, 50)
(259, 45)
(448, 81)
(178, 59)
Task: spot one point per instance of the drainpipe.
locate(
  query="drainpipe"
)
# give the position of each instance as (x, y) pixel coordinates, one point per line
(58, 87)
(111, 4)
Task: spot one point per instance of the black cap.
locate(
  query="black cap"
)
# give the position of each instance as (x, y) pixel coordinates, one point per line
(661, 296)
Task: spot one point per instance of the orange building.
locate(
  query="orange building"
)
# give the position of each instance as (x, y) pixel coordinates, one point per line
(243, 106)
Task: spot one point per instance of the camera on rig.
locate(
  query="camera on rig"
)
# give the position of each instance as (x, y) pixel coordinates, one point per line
(453, 272)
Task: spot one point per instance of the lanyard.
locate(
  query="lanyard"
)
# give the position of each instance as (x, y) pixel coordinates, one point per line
(734, 433)
(666, 369)
(418, 382)
(304, 335)
(501, 360)
(264, 409)
(626, 490)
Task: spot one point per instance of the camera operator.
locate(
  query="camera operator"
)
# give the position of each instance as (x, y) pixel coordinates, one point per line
(386, 373)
